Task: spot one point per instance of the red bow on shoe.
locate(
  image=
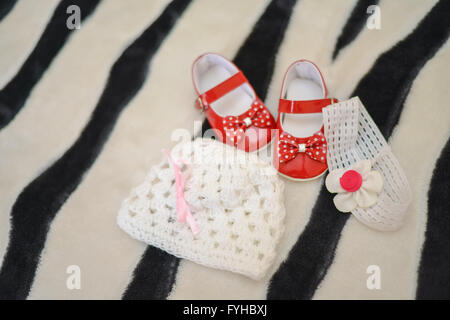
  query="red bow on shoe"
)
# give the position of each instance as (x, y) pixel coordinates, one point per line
(257, 116)
(315, 147)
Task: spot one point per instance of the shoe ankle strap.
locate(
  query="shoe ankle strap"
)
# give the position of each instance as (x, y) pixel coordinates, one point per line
(220, 90)
(304, 106)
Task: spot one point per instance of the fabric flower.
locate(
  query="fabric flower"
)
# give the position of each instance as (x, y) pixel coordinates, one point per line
(357, 186)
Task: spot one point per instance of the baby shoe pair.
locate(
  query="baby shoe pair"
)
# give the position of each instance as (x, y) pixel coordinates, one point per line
(364, 172)
(239, 117)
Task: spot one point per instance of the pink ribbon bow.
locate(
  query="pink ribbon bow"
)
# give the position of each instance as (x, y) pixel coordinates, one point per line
(257, 116)
(183, 211)
(315, 147)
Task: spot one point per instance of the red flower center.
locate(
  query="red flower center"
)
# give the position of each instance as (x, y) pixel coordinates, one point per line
(351, 181)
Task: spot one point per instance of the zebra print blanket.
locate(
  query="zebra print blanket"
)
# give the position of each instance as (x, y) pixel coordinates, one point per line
(84, 113)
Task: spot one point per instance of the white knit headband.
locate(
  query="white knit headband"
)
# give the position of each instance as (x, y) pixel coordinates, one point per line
(364, 173)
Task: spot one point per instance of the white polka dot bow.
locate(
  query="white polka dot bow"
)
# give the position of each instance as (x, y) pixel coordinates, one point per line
(315, 147)
(257, 116)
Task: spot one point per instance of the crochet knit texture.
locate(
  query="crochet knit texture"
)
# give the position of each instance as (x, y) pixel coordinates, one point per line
(235, 198)
(353, 136)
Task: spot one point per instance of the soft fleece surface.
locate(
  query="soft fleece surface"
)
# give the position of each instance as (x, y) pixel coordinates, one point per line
(85, 113)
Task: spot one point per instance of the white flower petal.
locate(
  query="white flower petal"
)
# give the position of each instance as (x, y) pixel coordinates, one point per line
(363, 167)
(344, 202)
(332, 181)
(365, 198)
(373, 181)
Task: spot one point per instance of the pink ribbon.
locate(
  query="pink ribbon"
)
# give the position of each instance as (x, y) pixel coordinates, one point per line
(184, 214)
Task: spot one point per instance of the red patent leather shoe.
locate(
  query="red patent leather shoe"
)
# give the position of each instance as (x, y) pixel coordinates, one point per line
(300, 149)
(234, 111)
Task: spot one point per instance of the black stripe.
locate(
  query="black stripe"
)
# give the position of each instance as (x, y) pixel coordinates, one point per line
(153, 277)
(434, 269)
(308, 261)
(5, 7)
(354, 25)
(55, 35)
(256, 56)
(40, 201)
(383, 91)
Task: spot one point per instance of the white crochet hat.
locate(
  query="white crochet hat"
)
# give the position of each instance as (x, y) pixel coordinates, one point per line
(364, 173)
(236, 201)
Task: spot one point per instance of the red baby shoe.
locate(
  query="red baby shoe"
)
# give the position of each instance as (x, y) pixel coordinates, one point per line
(234, 111)
(300, 149)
